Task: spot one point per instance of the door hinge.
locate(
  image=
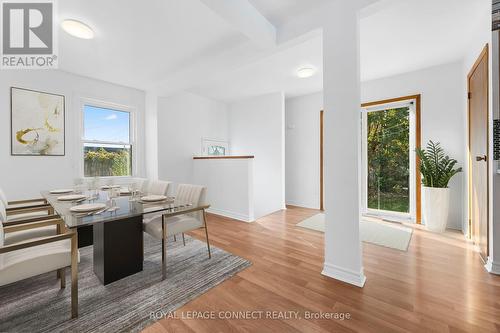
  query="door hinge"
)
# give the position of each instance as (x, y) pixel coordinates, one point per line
(469, 95)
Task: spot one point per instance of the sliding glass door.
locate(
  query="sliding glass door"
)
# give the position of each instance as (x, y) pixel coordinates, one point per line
(388, 160)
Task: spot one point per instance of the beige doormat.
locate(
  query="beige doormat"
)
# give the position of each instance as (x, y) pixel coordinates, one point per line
(379, 233)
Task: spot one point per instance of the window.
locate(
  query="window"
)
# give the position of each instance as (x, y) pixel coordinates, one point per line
(388, 144)
(107, 142)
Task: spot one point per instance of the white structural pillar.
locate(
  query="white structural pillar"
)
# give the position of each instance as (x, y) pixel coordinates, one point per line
(341, 85)
(151, 131)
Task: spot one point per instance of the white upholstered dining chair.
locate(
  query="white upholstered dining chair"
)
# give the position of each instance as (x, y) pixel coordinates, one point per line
(142, 184)
(26, 214)
(20, 203)
(25, 209)
(180, 224)
(25, 259)
(158, 187)
(26, 234)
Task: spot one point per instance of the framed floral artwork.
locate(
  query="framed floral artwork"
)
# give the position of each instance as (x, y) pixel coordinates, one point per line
(37, 123)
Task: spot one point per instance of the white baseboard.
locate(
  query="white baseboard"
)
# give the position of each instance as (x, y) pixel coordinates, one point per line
(298, 204)
(455, 227)
(492, 267)
(345, 275)
(232, 215)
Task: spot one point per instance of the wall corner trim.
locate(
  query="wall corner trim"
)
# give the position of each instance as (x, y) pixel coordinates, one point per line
(492, 267)
(357, 279)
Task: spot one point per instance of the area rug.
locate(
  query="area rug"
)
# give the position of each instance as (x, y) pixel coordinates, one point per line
(379, 233)
(38, 305)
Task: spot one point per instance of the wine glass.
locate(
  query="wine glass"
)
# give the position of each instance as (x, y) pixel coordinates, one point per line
(94, 183)
(110, 182)
(132, 188)
(113, 194)
(78, 185)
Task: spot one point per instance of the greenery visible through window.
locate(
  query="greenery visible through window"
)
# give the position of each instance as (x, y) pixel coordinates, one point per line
(389, 160)
(107, 147)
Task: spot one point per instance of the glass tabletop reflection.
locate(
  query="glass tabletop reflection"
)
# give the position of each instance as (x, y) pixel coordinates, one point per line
(115, 207)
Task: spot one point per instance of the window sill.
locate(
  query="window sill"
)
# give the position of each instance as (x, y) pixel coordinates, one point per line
(221, 157)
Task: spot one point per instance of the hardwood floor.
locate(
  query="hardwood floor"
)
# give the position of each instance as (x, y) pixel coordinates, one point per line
(439, 285)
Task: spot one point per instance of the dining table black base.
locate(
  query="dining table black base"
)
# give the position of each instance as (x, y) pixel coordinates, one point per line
(118, 249)
(85, 236)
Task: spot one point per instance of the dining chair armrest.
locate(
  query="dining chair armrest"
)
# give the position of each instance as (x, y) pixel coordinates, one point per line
(191, 210)
(31, 219)
(41, 241)
(33, 225)
(28, 209)
(29, 201)
(19, 207)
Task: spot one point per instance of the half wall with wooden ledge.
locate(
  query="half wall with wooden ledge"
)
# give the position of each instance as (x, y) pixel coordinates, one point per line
(231, 183)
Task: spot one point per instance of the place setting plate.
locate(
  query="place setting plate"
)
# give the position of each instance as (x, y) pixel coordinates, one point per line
(109, 187)
(72, 197)
(61, 191)
(153, 198)
(88, 209)
(125, 191)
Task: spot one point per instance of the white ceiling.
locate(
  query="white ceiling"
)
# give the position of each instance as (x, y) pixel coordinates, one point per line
(171, 45)
(406, 35)
(280, 11)
(141, 42)
(415, 34)
(273, 73)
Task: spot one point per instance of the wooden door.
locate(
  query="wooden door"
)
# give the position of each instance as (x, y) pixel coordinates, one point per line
(478, 145)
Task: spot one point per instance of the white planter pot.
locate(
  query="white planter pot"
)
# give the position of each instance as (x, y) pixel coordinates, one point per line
(436, 208)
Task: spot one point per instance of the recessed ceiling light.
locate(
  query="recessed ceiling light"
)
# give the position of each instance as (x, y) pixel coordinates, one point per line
(305, 72)
(77, 29)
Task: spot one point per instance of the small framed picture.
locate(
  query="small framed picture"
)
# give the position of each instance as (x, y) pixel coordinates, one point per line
(212, 147)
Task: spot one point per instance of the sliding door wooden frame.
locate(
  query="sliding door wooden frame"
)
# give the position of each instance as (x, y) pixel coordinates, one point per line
(418, 138)
(484, 53)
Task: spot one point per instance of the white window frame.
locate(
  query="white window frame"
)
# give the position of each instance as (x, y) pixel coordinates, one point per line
(132, 133)
(397, 216)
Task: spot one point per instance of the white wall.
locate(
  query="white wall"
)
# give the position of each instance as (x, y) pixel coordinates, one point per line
(151, 135)
(256, 127)
(302, 150)
(481, 36)
(183, 120)
(230, 186)
(26, 176)
(253, 127)
(442, 116)
(494, 257)
(442, 113)
(477, 41)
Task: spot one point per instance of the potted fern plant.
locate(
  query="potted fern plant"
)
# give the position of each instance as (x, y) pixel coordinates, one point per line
(437, 169)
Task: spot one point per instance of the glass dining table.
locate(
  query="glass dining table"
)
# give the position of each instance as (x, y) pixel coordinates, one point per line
(115, 231)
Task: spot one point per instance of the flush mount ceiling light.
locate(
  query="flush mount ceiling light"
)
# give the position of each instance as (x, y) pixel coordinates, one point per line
(77, 29)
(305, 72)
